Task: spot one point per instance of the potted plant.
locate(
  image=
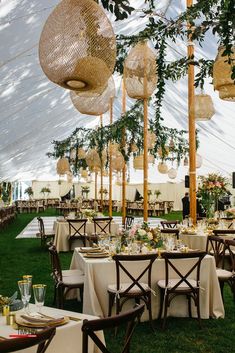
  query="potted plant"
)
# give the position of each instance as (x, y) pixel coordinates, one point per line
(45, 191)
(149, 194)
(85, 190)
(157, 192)
(29, 191)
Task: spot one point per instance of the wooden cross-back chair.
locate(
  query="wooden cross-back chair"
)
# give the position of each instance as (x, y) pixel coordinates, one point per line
(134, 287)
(45, 236)
(77, 231)
(171, 231)
(181, 283)
(90, 327)
(65, 280)
(42, 340)
(129, 220)
(169, 224)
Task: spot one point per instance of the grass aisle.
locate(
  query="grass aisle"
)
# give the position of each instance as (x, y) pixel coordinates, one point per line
(25, 256)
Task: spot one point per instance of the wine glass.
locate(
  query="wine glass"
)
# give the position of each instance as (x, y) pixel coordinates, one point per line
(39, 291)
(25, 291)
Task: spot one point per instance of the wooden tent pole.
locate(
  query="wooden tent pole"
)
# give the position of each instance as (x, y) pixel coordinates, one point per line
(123, 146)
(192, 130)
(110, 164)
(96, 186)
(145, 160)
(101, 173)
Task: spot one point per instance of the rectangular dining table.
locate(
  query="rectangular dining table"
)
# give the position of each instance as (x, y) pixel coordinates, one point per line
(68, 337)
(61, 229)
(100, 272)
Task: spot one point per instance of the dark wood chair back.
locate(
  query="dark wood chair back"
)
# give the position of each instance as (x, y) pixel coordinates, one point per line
(224, 232)
(129, 220)
(174, 231)
(89, 328)
(55, 264)
(77, 227)
(170, 266)
(42, 340)
(230, 247)
(102, 224)
(215, 247)
(121, 268)
(169, 224)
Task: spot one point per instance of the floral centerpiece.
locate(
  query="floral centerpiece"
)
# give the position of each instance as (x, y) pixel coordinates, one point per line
(144, 234)
(89, 213)
(13, 302)
(211, 188)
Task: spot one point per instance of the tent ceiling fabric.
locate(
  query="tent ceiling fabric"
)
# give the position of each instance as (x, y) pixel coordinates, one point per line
(34, 111)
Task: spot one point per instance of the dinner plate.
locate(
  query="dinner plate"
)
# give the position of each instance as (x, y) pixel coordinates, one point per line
(23, 322)
(96, 255)
(90, 250)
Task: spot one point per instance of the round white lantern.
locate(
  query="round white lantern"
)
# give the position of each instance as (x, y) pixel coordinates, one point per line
(172, 173)
(162, 168)
(204, 108)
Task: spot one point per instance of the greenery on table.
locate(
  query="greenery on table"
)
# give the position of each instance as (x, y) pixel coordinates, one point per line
(26, 256)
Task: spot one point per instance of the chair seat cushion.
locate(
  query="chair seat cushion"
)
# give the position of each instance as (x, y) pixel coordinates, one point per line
(69, 273)
(112, 288)
(223, 274)
(173, 282)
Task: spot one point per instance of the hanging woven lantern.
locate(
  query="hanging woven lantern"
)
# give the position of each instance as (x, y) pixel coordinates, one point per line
(172, 173)
(84, 173)
(171, 144)
(94, 104)
(62, 166)
(138, 162)
(140, 71)
(134, 148)
(162, 168)
(114, 148)
(151, 159)
(185, 161)
(81, 153)
(204, 108)
(105, 173)
(93, 159)
(118, 162)
(151, 139)
(222, 72)
(77, 48)
(198, 160)
(72, 154)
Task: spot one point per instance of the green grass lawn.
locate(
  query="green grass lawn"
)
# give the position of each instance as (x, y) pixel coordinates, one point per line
(25, 256)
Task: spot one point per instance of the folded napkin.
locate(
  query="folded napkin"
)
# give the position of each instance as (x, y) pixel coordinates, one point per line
(90, 249)
(42, 319)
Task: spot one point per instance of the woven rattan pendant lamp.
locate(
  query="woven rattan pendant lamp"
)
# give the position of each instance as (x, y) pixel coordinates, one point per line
(140, 75)
(62, 166)
(204, 108)
(222, 71)
(77, 48)
(94, 104)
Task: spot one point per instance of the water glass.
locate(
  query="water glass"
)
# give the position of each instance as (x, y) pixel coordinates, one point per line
(39, 291)
(25, 292)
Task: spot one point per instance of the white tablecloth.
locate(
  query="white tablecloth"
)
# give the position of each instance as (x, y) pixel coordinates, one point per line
(68, 338)
(62, 231)
(101, 272)
(194, 241)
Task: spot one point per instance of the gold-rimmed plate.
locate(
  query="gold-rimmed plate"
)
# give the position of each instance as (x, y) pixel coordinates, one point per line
(22, 321)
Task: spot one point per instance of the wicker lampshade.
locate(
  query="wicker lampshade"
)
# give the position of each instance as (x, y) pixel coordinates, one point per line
(105, 173)
(222, 71)
(77, 48)
(172, 173)
(81, 153)
(93, 159)
(138, 161)
(84, 173)
(94, 104)
(140, 71)
(198, 160)
(162, 168)
(114, 147)
(134, 148)
(204, 108)
(62, 166)
(151, 139)
(118, 162)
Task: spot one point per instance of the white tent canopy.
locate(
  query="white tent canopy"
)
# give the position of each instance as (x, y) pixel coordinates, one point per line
(34, 111)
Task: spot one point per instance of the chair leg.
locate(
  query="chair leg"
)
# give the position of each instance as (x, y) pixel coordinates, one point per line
(221, 283)
(161, 302)
(111, 301)
(197, 302)
(55, 296)
(149, 307)
(189, 306)
(165, 311)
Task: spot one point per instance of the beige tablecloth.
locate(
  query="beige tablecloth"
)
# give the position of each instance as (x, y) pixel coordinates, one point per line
(62, 231)
(194, 241)
(68, 338)
(101, 272)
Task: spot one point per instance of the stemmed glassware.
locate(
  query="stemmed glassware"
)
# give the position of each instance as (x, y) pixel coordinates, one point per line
(39, 291)
(25, 291)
